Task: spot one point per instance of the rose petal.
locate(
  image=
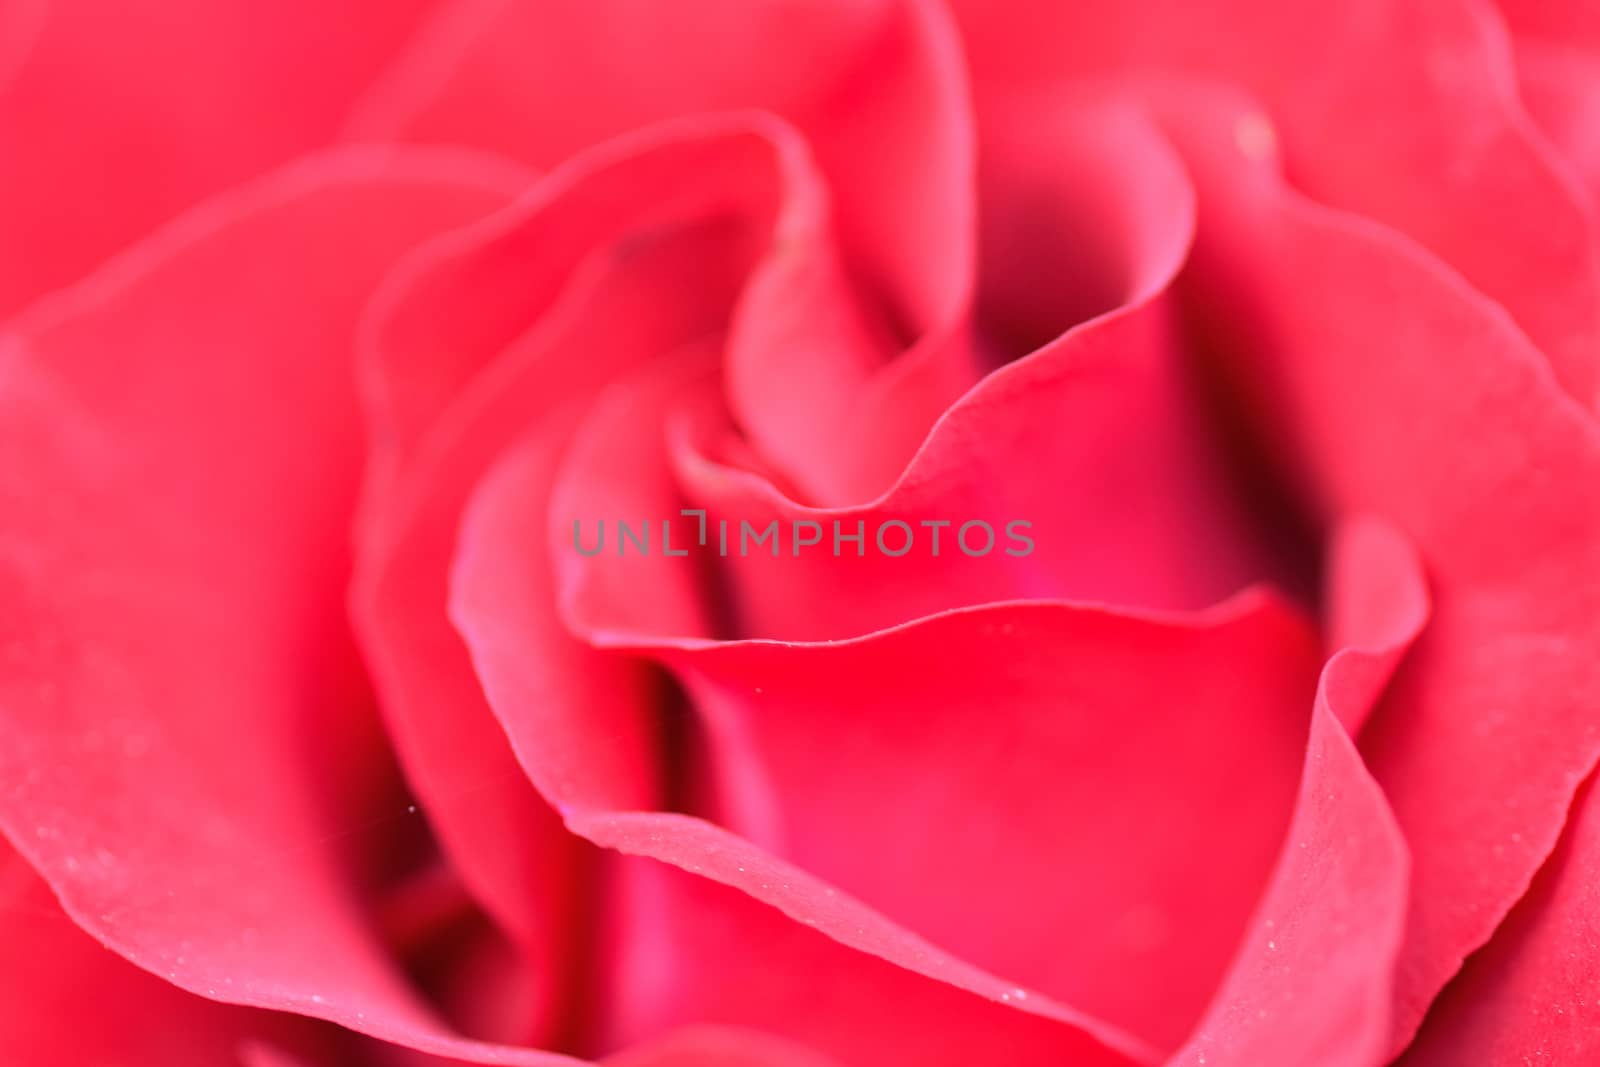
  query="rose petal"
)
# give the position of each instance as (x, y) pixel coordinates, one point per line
(1313, 981)
(778, 720)
(1533, 993)
(1105, 831)
(1561, 87)
(1312, 984)
(717, 1046)
(180, 458)
(1557, 44)
(1377, 602)
(66, 1000)
(660, 266)
(685, 950)
(1103, 440)
(449, 312)
(773, 788)
(687, 955)
(21, 25)
(1331, 76)
(877, 90)
(1339, 324)
(1101, 823)
(802, 348)
(1574, 21)
(119, 115)
(566, 732)
(876, 86)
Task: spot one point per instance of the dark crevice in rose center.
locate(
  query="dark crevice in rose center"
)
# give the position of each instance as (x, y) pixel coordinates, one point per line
(681, 740)
(452, 952)
(718, 600)
(1041, 276)
(1278, 506)
(430, 925)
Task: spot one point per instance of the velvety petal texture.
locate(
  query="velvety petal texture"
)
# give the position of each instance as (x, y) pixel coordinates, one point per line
(799, 533)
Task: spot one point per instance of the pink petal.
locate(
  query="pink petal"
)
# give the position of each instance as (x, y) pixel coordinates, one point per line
(446, 316)
(117, 115)
(1312, 984)
(1377, 601)
(777, 717)
(1575, 22)
(876, 89)
(797, 800)
(1339, 326)
(1561, 88)
(1034, 806)
(1532, 995)
(685, 950)
(1101, 439)
(1557, 46)
(65, 1000)
(876, 85)
(657, 265)
(187, 732)
(681, 950)
(717, 1046)
(1402, 112)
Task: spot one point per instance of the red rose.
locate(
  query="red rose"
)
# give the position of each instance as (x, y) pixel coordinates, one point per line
(799, 532)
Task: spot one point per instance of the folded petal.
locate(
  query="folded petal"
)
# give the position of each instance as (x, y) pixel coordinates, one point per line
(1377, 601)
(1104, 442)
(1404, 112)
(1336, 327)
(481, 336)
(684, 950)
(1313, 980)
(1532, 993)
(64, 999)
(1312, 984)
(876, 89)
(792, 754)
(591, 730)
(876, 85)
(185, 724)
(449, 312)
